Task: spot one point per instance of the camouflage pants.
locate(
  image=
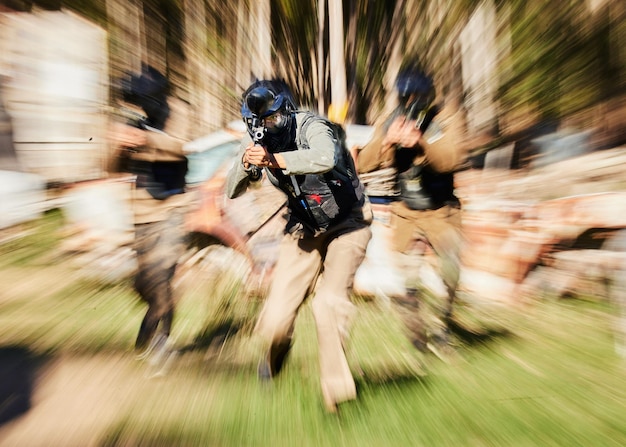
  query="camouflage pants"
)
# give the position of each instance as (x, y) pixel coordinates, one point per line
(159, 246)
(427, 246)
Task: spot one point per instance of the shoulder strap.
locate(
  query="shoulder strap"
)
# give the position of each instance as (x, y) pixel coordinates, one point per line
(346, 165)
(301, 140)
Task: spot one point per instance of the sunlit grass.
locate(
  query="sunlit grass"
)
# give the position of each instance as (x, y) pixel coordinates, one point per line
(551, 379)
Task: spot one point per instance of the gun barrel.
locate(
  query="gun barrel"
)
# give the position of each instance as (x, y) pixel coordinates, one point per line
(258, 135)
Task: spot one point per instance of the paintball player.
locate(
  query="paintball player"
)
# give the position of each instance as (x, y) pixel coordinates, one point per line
(150, 145)
(326, 235)
(425, 213)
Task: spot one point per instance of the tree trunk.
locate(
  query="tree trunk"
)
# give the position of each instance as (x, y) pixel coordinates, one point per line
(321, 59)
(339, 94)
(262, 67)
(243, 62)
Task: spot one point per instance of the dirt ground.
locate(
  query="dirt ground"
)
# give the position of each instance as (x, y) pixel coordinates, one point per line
(75, 400)
(62, 400)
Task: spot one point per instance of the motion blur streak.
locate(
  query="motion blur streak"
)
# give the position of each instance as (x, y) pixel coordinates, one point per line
(539, 321)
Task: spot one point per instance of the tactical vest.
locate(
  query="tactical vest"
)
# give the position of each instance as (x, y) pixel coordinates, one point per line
(430, 183)
(320, 200)
(422, 188)
(161, 179)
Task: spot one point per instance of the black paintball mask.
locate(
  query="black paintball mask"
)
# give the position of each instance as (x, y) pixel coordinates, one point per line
(415, 93)
(148, 91)
(268, 112)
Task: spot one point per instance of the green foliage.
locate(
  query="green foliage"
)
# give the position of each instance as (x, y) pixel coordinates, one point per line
(28, 242)
(556, 60)
(294, 36)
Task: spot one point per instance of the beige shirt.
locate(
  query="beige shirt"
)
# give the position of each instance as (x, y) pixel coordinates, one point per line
(166, 145)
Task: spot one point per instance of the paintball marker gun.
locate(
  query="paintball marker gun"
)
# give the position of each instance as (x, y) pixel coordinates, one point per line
(136, 119)
(258, 132)
(420, 113)
(426, 118)
(131, 117)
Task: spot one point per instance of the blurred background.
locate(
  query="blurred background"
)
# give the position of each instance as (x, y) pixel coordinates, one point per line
(541, 87)
(535, 83)
(518, 69)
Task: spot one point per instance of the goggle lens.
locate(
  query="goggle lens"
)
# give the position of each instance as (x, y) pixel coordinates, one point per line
(274, 122)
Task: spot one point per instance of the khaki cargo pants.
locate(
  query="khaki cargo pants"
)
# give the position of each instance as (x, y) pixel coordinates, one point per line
(336, 254)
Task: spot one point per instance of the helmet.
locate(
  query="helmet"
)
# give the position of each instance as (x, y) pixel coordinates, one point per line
(415, 91)
(268, 111)
(148, 90)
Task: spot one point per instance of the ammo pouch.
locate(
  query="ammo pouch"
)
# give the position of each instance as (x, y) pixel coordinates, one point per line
(330, 197)
(161, 179)
(324, 208)
(412, 192)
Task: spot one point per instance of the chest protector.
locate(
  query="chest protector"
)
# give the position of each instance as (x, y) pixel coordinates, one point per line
(320, 200)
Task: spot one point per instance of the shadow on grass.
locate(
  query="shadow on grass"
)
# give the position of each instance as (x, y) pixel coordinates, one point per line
(373, 390)
(19, 369)
(365, 383)
(473, 337)
(213, 337)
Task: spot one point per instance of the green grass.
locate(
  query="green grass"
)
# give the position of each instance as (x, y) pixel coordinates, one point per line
(551, 379)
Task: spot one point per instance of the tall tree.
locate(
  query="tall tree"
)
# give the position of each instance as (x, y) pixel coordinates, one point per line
(263, 67)
(321, 54)
(339, 95)
(294, 26)
(368, 24)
